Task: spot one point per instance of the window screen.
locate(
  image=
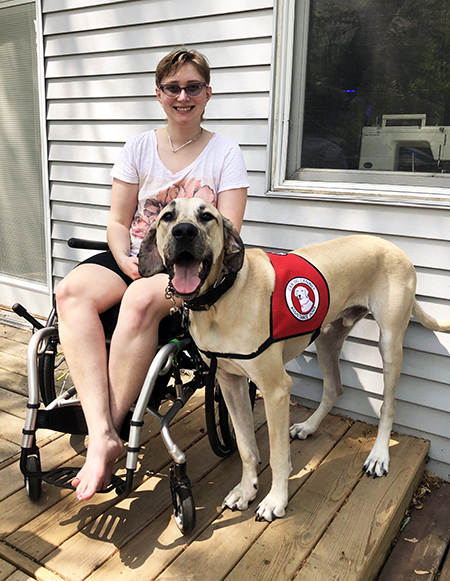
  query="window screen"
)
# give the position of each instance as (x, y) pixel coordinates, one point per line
(21, 198)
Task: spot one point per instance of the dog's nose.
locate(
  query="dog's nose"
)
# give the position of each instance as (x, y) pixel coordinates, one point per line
(184, 232)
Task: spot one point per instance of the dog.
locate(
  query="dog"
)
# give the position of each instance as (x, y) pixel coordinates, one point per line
(228, 291)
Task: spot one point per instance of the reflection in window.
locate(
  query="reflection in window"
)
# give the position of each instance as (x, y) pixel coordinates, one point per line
(377, 87)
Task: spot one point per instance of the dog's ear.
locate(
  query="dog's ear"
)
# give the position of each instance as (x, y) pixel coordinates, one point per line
(233, 246)
(150, 261)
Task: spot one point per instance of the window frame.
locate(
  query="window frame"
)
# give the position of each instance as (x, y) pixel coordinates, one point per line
(352, 185)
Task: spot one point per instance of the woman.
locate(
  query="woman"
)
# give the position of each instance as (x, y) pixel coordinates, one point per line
(179, 160)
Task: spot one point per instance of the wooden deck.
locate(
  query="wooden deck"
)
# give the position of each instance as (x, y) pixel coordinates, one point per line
(339, 524)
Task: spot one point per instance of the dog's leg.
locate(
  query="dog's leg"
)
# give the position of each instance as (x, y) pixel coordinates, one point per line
(328, 347)
(393, 319)
(277, 404)
(235, 392)
(391, 348)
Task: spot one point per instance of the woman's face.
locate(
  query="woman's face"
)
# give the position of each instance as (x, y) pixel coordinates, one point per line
(183, 109)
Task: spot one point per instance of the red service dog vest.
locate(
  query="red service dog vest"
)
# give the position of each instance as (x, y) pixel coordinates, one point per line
(300, 298)
(299, 303)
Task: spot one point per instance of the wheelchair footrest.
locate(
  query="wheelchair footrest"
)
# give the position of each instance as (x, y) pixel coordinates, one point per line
(62, 477)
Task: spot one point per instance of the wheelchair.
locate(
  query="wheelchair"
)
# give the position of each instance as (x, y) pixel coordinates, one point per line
(53, 404)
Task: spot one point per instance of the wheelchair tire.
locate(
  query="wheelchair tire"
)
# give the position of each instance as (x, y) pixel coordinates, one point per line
(183, 508)
(33, 485)
(46, 372)
(54, 376)
(220, 429)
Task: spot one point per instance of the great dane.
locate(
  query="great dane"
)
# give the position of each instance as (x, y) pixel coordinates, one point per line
(229, 293)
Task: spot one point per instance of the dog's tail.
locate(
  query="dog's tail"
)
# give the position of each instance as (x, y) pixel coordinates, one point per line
(428, 321)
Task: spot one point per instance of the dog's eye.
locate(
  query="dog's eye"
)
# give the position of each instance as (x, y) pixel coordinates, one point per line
(206, 217)
(168, 216)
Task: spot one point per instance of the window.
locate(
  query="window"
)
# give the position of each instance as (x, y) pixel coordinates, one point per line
(364, 94)
(22, 217)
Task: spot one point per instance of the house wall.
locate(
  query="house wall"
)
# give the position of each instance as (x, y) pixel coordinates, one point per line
(100, 63)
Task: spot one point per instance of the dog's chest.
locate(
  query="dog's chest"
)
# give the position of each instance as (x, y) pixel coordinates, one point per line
(300, 299)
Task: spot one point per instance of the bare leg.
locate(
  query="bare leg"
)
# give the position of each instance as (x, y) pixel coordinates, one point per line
(81, 296)
(133, 347)
(135, 341)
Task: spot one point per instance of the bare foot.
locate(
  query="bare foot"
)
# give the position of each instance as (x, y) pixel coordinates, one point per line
(96, 473)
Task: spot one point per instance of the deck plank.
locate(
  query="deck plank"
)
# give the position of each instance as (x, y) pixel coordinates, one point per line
(99, 540)
(338, 524)
(14, 382)
(12, 347)
(14, 364)
(53, 454)
(233, 532)
(15, 334)
(39, 537)
(26, 565)
(445, 572)
(6, 569)
(423, 543)
(354, 546)
(287, 542)
(13, 403)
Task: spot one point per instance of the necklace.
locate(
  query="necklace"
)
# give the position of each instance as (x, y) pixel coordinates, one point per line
(184, 144)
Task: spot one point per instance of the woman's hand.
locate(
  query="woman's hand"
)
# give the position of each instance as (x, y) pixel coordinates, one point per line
(129, 265)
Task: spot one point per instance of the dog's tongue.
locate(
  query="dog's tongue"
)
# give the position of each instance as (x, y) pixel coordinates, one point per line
(186, 279)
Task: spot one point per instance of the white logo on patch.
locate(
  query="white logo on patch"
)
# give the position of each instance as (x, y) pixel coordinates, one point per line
(302, 298)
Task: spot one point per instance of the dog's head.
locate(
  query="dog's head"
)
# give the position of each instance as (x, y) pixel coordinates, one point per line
(193, 243)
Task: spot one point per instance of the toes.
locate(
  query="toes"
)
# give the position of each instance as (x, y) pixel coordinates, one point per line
(270, 509)
(300, 431)
(376, 467)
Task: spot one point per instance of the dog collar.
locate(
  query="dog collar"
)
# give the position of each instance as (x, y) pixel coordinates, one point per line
(212, 294)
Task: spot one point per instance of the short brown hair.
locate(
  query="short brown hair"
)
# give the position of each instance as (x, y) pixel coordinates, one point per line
(179, 57)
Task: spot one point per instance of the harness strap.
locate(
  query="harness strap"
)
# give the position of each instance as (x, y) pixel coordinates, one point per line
(214, 355)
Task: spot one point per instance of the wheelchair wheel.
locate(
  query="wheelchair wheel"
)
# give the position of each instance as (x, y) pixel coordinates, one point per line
(182, 500)
(33, 485)
(218, 422)
(54, 375)
(184, 510)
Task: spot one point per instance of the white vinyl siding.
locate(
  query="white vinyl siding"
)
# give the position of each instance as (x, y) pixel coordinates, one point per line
(423, 393)
(100, 62)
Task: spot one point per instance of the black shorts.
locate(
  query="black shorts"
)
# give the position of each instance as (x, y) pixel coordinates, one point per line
(107, 260)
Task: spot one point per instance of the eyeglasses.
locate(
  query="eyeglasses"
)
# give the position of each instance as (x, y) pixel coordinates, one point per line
(192, 90)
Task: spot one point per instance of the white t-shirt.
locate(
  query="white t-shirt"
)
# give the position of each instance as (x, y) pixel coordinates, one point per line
(219, 167)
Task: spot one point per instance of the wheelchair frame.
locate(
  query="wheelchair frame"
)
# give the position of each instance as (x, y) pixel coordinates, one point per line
(63, 413)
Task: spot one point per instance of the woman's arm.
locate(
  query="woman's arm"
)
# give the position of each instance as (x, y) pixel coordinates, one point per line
(231, 204)
(123, 207)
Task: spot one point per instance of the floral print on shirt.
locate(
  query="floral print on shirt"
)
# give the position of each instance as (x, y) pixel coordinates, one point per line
(186, 188)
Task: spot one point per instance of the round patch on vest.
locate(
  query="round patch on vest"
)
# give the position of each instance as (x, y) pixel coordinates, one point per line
(302, 298)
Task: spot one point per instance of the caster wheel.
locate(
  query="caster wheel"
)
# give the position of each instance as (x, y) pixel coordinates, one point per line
(182, 501)
(184, 510)
(33, 485)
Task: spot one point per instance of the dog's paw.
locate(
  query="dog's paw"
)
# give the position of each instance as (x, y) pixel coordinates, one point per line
(270, 509)
(241, 496)
(377, 465)
(301, 431)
